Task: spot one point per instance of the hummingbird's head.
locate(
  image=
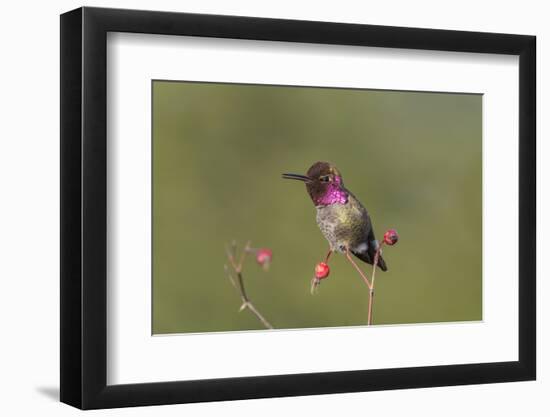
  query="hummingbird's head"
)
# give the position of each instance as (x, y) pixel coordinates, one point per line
(324, 184)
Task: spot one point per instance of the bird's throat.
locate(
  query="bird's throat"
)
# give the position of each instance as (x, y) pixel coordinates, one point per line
(334, 194)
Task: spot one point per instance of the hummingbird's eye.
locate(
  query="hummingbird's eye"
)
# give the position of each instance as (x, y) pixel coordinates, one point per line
(324, 178)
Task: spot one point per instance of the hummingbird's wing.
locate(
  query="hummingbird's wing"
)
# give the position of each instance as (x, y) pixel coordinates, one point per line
(373, 244)
(370, 252)
(368, 255)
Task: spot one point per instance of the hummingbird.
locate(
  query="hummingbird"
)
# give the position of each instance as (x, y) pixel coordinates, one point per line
(343, 220)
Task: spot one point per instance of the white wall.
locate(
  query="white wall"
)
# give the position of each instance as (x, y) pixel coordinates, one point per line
(29, 238)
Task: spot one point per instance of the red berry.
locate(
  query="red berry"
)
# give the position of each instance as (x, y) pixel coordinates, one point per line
(391, 237)
(321, 270)
(264, 256)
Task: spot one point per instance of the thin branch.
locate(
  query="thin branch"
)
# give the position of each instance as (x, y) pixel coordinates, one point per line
(230, 258)
(239, 282)
(241, 288)
(358, 269)
(371, 289)
(260, 317)
(370, 284)
(233, 282)
(243, 255)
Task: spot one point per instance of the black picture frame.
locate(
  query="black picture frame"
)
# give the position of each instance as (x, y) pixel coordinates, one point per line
(84, 207)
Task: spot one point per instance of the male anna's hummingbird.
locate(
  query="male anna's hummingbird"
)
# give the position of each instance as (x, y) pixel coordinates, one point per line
(343, 220)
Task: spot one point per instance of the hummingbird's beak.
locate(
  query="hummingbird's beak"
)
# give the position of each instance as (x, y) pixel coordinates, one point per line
(298, 177)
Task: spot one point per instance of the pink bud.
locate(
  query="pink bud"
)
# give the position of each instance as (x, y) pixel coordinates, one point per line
(321, 270)
(263, 257)
(391, 237)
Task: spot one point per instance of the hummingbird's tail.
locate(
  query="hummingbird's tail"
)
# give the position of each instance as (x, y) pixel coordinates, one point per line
(382, 264)
(368, 257)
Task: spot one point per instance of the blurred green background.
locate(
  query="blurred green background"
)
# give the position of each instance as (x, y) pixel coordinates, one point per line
(413, 159)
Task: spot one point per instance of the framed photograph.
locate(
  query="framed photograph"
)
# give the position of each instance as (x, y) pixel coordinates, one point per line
(258, 208)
